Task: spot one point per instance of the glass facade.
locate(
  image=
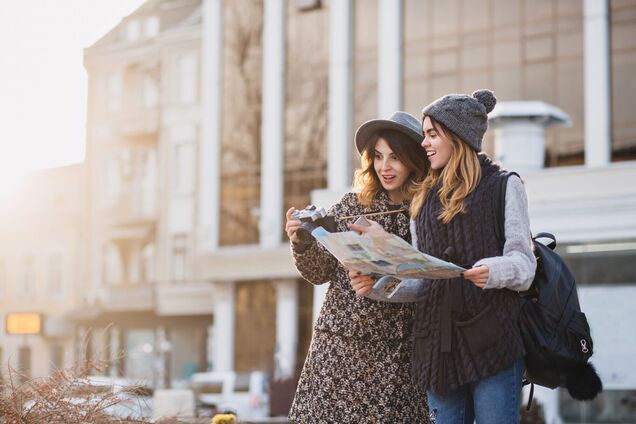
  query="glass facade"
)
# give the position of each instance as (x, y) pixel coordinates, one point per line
(523, 50)
(255, 331)
(307, 71)
(365, 66)
(188, 353)
(241, 122)
(611, 406)
(139, 362)
(25, 364)
(623, 63)
(601, 263)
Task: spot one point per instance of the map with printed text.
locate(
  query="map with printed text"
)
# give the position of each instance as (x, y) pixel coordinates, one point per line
(385, 254)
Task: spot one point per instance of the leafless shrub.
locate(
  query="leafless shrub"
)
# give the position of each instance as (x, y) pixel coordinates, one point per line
(65, 397)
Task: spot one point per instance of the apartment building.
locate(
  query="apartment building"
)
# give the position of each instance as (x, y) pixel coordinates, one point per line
(154, 290)
(141, 297)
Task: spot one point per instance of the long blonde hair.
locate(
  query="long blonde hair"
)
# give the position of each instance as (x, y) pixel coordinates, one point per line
(458, 178)
(366, 181)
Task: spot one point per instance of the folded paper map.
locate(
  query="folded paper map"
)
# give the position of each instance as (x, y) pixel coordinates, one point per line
(386, 254)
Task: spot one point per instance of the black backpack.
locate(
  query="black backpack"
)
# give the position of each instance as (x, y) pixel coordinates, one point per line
(555, 332)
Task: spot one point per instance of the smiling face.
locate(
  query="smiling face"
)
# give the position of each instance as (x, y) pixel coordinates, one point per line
(438, 145)
(391, 172)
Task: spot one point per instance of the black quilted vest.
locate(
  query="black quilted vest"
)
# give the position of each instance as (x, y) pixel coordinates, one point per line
(463, 333)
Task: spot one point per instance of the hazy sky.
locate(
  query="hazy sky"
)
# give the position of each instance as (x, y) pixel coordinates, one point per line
(43, 81)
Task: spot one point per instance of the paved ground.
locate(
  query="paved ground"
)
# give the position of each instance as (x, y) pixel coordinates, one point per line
(207, 420)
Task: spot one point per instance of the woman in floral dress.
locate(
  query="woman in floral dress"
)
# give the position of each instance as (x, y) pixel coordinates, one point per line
(357, 369)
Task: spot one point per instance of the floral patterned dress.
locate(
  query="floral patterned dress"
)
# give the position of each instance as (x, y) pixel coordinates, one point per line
(358, 366)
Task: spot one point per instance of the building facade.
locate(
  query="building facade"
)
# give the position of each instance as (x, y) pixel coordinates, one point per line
(40, 268)
(208, 119)
(143, 116)
(156, 291)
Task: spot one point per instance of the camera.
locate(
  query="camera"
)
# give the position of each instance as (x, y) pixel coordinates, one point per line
(311, 218)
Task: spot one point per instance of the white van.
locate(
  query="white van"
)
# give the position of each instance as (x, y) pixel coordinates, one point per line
(243, 393)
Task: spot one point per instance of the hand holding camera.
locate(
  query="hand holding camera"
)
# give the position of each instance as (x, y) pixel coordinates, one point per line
(300, 223)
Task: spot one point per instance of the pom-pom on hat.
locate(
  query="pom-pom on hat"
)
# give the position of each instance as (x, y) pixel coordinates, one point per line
(464, 115)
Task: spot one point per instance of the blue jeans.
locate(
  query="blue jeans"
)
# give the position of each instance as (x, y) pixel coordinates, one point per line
(493, 400)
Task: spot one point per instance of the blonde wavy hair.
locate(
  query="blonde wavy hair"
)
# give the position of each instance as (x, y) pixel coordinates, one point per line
(366, 182)
(456, 180)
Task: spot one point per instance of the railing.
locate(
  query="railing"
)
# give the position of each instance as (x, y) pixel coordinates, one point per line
(175, 298)
(127, 297)
(184, 297)
(133, 206)
(138, 121)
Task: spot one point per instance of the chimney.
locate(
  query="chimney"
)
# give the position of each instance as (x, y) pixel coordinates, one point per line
(520, 132)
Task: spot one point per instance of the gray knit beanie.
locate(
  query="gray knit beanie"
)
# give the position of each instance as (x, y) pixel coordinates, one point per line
(466, 116)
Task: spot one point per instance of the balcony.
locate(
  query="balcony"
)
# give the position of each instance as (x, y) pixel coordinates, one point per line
(126, 297)
(229, 264)
(137, 122)
(184, 298)
(132, 208)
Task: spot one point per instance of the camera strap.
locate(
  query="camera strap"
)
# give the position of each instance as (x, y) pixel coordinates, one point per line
(343, 218)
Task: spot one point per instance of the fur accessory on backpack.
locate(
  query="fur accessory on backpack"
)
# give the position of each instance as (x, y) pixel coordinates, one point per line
(582, 381)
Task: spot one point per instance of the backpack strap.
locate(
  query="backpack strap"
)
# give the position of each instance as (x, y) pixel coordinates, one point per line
(500, 228)
(548, 236)
(500, 206)
(531, 396)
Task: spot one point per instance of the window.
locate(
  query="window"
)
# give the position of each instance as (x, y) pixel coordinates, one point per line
(111, 265)
(140, 360)
(150, 92)
(258, 344)
(241, 122)
(111, 177)
(148, 182)
(307, 5)
(179, 256)
(3, 278)
(27, 287)
(601, 263)
(132, 89)
(133, 30)
(55, 286)
(610, 406)
(306, 103)
(126, 163)
(523, 50)
(24, 362)
(239, 209)
(151, 26)
(184, 167)
(186, 79)
(114, 91)
(623, 62)
(147, 269)
(57, 357)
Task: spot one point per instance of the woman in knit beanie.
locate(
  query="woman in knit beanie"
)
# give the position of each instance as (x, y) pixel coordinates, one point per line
(468, 353)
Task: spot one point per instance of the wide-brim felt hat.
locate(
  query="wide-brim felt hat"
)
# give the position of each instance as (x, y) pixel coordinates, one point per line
(400, 121)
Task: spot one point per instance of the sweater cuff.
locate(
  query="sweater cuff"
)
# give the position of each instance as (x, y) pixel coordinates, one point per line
(495, 272)
(507, 273)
